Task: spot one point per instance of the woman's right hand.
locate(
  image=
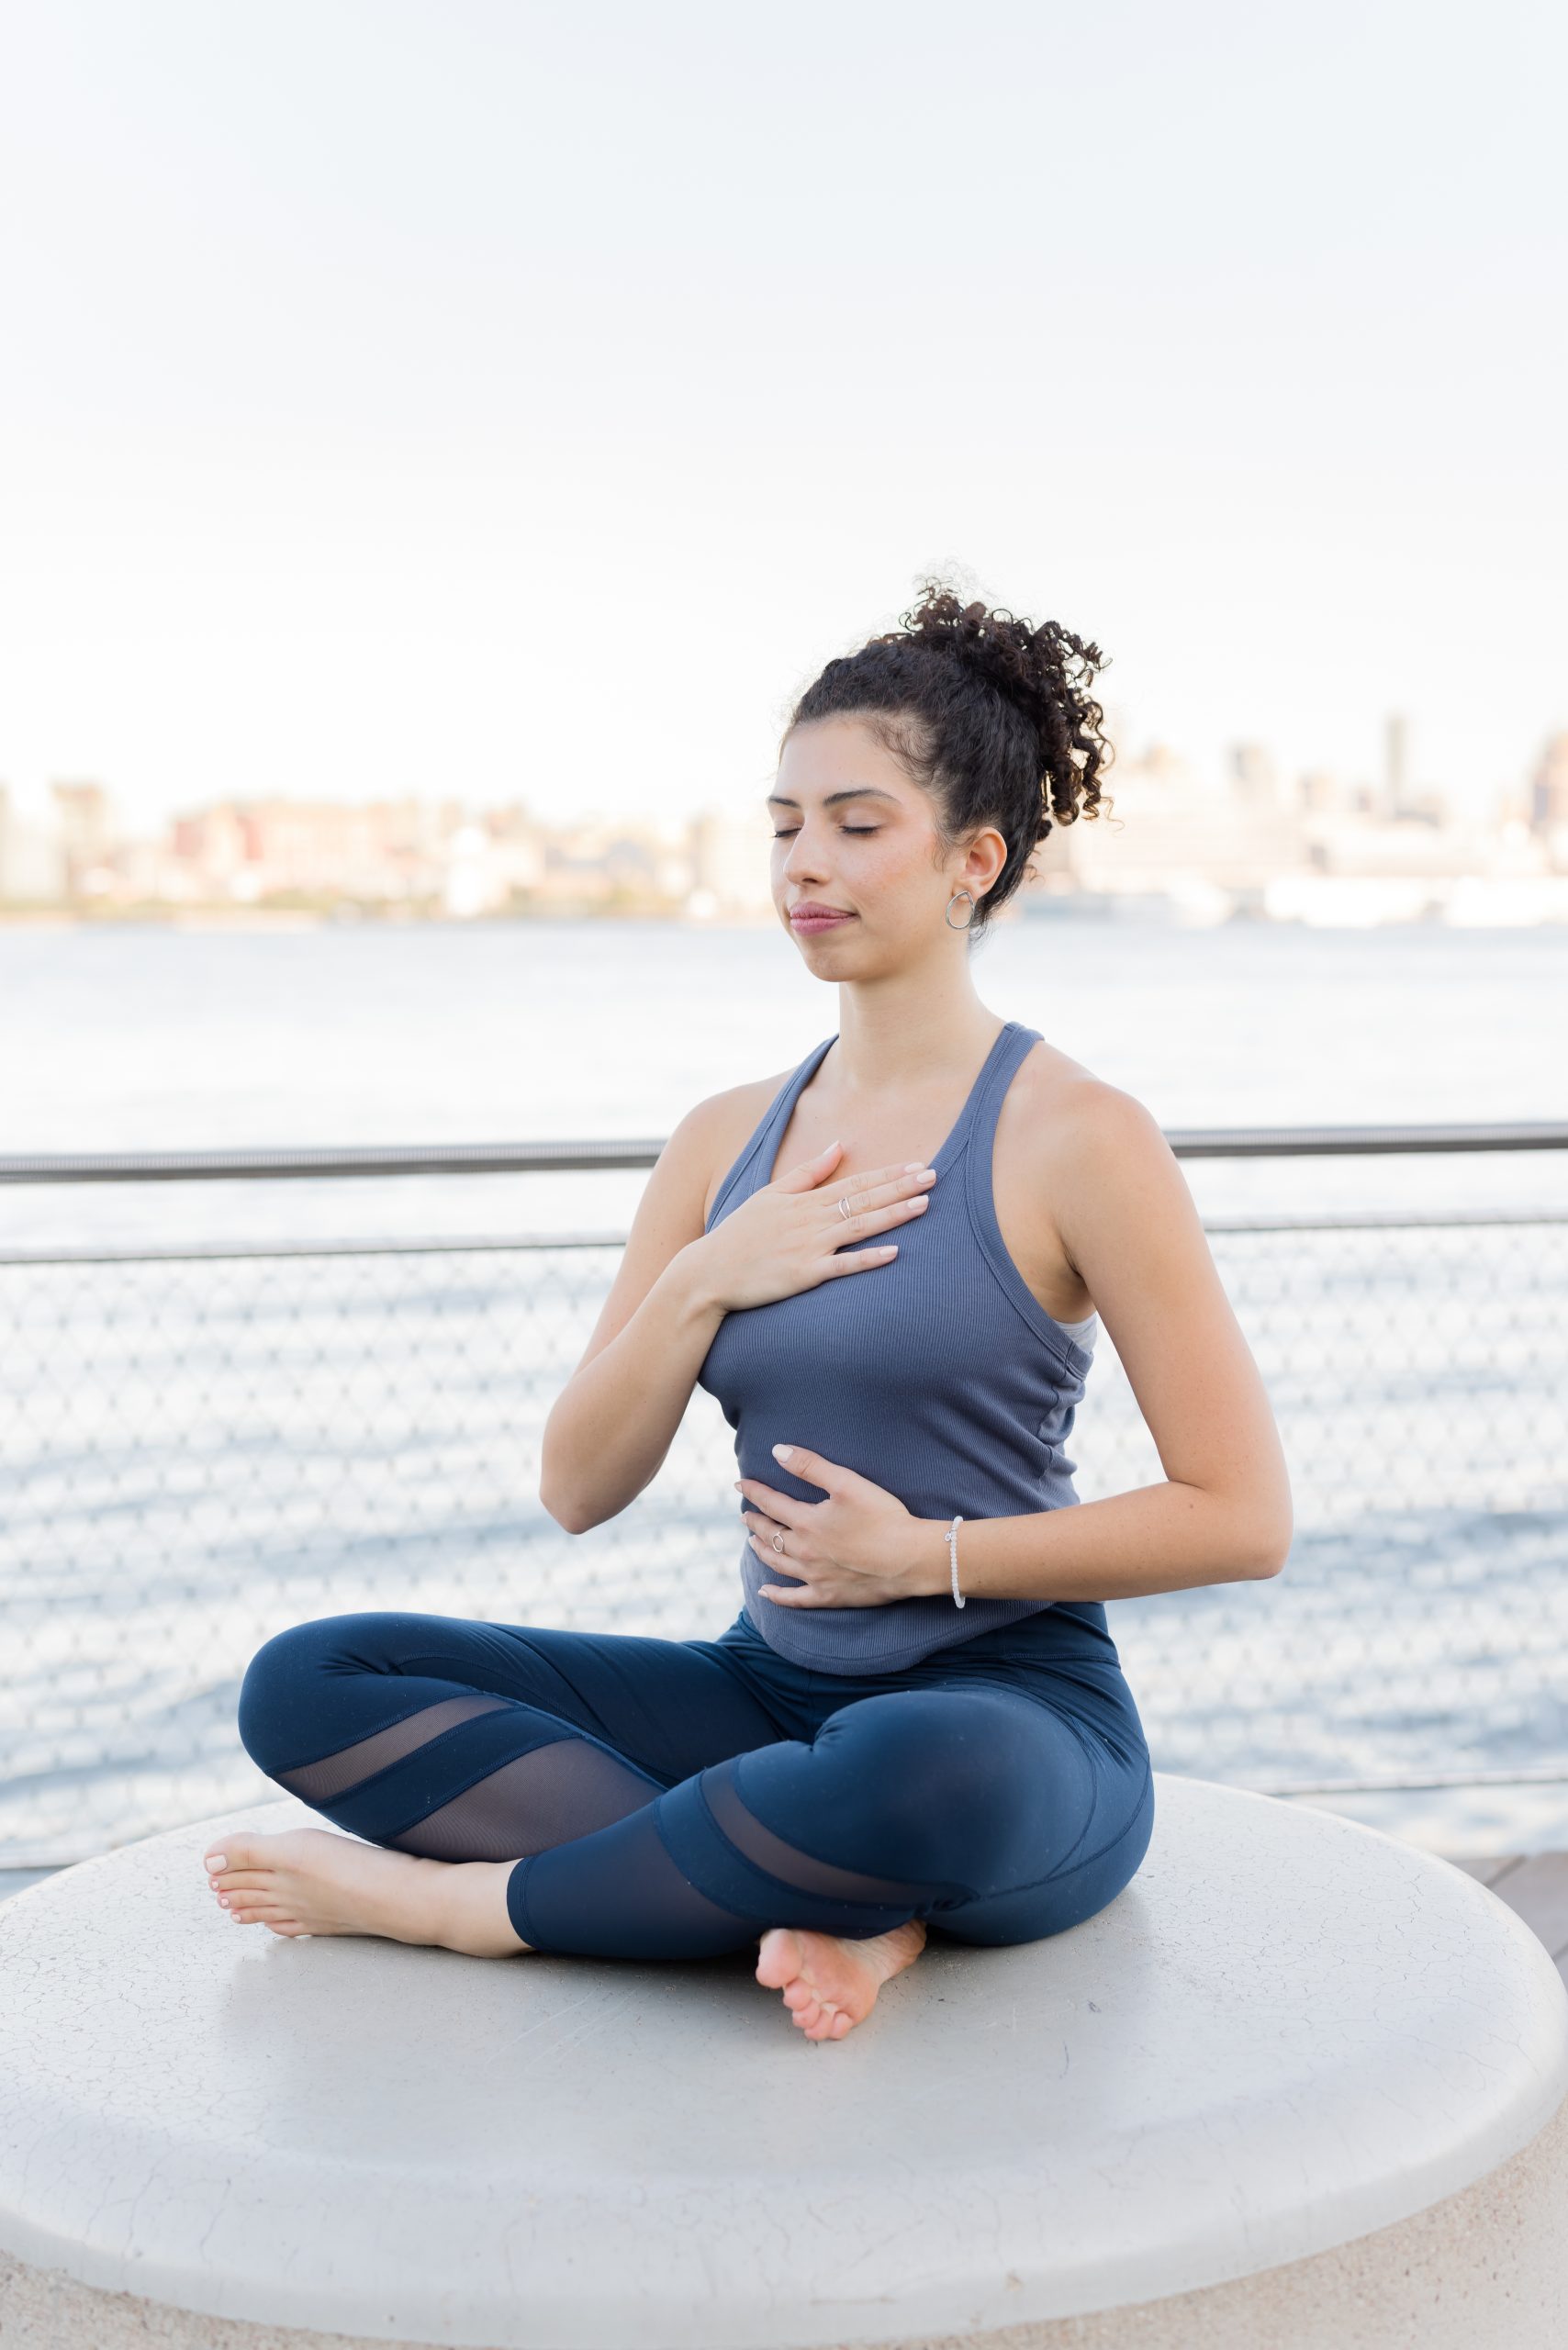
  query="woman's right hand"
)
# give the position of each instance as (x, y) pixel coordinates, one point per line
(784, 1238)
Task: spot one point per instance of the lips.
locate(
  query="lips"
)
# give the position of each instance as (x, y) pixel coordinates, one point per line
(817, 917)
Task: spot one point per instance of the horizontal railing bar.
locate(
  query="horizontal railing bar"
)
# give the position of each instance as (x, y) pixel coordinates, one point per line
(1318, 1142)
(1385, 1220)
(599, 1157)
(370, 1158)
(1549, 1775)
(196, 1252)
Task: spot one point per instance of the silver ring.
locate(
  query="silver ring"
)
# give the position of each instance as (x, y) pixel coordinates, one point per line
(779, 1542)
(844, 1210)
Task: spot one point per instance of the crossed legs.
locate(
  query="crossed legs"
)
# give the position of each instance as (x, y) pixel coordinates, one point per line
(622, 1797)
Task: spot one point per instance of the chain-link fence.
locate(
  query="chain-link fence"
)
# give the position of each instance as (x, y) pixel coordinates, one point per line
(204, 1445)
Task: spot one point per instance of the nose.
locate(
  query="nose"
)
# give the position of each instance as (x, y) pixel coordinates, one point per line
(804, 860)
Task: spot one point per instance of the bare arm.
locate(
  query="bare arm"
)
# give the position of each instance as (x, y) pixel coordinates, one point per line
(1223, 1514)
(615, 1421)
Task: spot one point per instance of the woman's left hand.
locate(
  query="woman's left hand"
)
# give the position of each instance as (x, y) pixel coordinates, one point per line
(857, 1549)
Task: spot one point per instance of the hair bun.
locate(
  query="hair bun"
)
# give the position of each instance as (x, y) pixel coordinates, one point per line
(994, 643)
(1044, 672)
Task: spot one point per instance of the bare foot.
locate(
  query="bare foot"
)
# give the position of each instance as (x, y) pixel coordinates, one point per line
(307, 1881)
(832, 1984)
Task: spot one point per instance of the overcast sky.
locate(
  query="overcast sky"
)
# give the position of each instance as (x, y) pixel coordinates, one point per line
(512, 401)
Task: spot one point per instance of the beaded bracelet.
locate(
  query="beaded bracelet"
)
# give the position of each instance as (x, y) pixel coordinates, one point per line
(951, 1539)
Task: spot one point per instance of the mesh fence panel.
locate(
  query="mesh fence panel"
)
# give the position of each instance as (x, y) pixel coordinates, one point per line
(200, 1449)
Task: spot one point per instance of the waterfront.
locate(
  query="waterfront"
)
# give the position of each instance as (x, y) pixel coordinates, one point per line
(129, 1038)
(196, 1458)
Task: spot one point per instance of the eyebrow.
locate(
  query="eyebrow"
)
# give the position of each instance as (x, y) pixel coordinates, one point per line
(855, 791)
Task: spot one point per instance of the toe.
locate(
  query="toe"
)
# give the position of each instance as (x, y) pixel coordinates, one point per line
(779, 1958)
(234, 1853)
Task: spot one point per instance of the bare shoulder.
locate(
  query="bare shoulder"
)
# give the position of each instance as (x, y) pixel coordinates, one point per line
(1065, 1117)
(709, 1138)
(1107, 1192)
(1061, 1132)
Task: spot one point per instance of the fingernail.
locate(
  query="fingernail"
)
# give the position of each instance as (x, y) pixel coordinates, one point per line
(783, 1453)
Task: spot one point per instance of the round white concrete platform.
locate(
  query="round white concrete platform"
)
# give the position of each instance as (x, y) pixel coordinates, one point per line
(1288, 2032)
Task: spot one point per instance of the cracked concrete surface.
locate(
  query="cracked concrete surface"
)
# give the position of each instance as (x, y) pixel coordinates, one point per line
(1297, 2075)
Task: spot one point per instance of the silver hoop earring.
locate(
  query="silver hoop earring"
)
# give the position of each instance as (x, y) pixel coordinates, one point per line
(952, 902)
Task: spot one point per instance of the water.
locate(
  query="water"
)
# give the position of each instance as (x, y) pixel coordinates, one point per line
(201, 1457)
(118, 1037)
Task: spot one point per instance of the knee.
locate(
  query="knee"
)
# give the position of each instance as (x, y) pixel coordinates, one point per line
(279, 1696)
(932, 1775)
(1068, 1897)
(968, 1787)
(916, 1744)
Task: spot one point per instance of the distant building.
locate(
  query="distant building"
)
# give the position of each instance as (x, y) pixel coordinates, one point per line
(731, 873)
(1547, 808)
(32, 854)
(1395, 765)
(1170, 830)
(378, 851)
(1255, 776)
(85, 823)
(1321, 792)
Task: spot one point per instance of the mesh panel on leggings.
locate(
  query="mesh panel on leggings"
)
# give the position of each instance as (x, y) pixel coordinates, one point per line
(559, 1791)
(690, 1875)
(566, 1786)
(318, 1782)
(786, 1861)
(619, 1895)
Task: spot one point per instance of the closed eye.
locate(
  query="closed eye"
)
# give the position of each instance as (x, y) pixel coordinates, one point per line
(862, 832)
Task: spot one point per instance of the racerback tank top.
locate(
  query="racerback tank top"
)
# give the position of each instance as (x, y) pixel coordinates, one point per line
(938, 1374)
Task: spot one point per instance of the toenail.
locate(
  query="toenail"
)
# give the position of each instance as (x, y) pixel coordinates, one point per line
(223, 1899)
(217, 1860)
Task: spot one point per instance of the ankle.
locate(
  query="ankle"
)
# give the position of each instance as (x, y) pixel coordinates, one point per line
(473, 1913)
(900, 1945)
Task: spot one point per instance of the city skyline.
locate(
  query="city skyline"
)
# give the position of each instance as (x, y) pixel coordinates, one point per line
(395, 393)
(1257, 841)
(1391, 771)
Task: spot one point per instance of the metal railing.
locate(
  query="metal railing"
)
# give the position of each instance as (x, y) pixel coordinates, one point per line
(595, 1157)
(207, 1442)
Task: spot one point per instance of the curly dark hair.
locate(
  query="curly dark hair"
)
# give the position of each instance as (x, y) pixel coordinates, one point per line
(989, 714)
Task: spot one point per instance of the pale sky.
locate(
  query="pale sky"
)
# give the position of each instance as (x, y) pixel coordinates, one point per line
(512, 401)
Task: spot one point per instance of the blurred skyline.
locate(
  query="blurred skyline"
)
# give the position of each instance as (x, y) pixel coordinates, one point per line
(413, 399)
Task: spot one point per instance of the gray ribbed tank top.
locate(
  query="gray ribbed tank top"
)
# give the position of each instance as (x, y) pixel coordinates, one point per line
(938, 1374)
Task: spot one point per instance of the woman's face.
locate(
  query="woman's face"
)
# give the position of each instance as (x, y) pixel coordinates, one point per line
(853, 833)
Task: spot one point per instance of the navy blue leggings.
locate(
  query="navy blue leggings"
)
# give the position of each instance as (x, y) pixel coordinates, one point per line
(675, 1798)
